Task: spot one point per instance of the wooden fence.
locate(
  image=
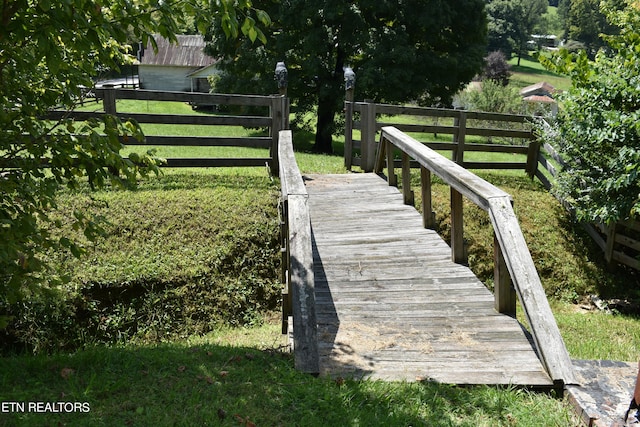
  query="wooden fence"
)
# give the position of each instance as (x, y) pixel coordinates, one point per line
(620, 241)
(462, 125)
(512, 260)
(275, 119)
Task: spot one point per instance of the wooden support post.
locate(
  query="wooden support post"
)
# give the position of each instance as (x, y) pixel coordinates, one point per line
(407, 193)
(610, 243)
(381, 153)
(532, 158)
(392, 178)
(459, 137)
(504, 293)
(368, 136)
(109, 100)
(278, 123)
(428, 217)
(458, 253)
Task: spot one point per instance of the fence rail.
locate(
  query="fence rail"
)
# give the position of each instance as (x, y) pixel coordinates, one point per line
(275, 120)
(461, 125)
(512, 261)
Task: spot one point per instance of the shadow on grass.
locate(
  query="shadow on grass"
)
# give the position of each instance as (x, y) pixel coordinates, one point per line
(174, 384)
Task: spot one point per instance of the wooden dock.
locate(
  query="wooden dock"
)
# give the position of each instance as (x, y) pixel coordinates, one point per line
(391, 304)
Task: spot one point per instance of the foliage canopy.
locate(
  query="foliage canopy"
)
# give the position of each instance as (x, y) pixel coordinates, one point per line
(598, 129)
(50, 52)
(422, 51)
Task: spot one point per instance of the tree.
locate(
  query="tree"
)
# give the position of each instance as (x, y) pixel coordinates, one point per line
(511, 23)
(597, 131)
(49, 52)
(585, 22)
(423, 51)
(497, 68)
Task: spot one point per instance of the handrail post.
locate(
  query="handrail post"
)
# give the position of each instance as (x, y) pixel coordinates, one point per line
(504, 293)
(407, 193)
(391, 171)
(277, 124)
(428, 219)
(457, 228)
(532, 158)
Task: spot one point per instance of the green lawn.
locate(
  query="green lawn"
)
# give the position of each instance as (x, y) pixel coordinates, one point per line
(531, 72)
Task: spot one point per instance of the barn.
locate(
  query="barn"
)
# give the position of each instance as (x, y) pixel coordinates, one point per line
(181, 66)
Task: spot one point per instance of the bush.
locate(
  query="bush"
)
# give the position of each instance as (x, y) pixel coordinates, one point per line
(491, 97)
(597, 131)
(497, 68)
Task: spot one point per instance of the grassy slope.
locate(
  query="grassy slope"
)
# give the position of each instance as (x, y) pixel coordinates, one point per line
(219, 378)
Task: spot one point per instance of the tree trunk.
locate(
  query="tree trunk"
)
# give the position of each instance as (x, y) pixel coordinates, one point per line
(329, 102)
(324, 126)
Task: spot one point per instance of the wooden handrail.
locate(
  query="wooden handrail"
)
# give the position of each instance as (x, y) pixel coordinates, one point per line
(511, 249)
(299, 298)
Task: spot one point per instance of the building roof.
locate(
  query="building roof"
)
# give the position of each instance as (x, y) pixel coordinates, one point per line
(188, 52)
(542, 88)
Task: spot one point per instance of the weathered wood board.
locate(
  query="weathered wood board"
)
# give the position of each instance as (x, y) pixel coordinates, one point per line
(390, 303)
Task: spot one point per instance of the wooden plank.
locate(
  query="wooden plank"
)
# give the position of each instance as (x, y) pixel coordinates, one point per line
(391, 304)
(290, 177)
(190, 97)
(495, 165)
(302, 278)
(201, 141)
(177, 119)
(198, 162)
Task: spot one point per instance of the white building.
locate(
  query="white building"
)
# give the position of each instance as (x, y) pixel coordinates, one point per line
(180, 67)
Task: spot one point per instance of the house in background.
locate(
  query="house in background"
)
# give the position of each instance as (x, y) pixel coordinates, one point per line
(180, 67)
(541, 94)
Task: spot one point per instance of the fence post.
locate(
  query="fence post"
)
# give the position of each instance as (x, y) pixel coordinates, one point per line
(109, 99)
(610, 242)
(532, 158)
(279, 114)
(459, 137)
(368, 135)
(349, 85)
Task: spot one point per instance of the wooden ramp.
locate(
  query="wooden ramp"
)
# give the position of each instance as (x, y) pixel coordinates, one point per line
(390, 303)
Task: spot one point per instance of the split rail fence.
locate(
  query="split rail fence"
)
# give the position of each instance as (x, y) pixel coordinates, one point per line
(461, 125)
(275, 118)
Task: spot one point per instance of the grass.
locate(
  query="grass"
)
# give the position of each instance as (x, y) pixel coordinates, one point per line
(193, 252)
(530, 71)
(241, 377)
